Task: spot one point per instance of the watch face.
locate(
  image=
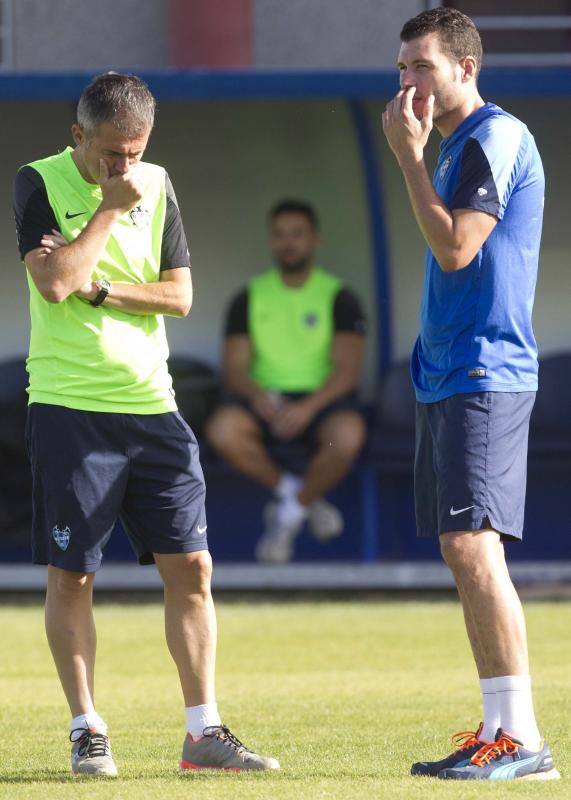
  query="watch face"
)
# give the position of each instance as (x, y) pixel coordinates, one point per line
(103, 284)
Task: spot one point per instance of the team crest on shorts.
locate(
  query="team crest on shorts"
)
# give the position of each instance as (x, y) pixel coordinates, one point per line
(444, 168)
(140, 216)
(61, 538)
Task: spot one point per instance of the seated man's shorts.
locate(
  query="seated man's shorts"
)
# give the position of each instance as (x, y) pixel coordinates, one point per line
(471, 463)
(349, 402)
(90, 468)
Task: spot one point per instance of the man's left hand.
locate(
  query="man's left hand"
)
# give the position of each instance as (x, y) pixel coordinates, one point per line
(53, 241)
(407, 136)
(293, 420)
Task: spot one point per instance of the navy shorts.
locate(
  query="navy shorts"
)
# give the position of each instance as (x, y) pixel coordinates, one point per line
(471, 463)
(90, 468)
(348, 402)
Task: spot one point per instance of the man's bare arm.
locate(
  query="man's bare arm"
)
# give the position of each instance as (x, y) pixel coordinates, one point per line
(62, 271)
(237, 357)
(347, 353)
(58, 273)
(454, 237)
(170, 295)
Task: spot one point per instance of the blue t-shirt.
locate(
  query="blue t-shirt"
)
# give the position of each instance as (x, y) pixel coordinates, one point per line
(475, 324)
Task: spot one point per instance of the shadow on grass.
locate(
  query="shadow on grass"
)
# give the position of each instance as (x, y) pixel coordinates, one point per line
(62, 776)
(38, 776)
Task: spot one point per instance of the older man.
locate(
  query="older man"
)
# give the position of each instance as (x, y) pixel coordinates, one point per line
(101, 236)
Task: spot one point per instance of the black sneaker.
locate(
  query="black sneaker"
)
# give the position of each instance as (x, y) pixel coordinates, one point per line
(506, 759)
(467, 743)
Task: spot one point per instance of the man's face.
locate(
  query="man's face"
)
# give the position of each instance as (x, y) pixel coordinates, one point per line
(118, 150)
(293, 241)
(424, 65)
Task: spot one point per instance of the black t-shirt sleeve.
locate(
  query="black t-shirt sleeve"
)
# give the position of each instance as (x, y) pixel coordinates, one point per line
(237, 315)
(174, 248)
(348, 314)
(476, 188)
(32, 211)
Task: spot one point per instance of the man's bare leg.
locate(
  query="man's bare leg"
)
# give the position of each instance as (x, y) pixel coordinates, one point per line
(495, 620)
(71, 635)
(496, 626)
(340, 438)
(190, 622)
(236, 435)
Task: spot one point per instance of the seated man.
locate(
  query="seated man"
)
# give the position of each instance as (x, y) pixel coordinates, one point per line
(293, 353)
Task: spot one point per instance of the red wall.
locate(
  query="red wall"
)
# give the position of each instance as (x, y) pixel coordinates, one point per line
(211, 33)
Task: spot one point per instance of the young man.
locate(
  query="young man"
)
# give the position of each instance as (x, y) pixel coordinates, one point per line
(474, 365)
(292, 364)
(106, 256)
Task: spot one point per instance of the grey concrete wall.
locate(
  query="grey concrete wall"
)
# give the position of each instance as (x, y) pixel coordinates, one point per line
(89, 34)
(101, 34)
(329, 33)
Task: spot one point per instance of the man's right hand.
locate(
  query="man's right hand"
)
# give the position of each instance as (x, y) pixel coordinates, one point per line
(120, 192)
(265, 406)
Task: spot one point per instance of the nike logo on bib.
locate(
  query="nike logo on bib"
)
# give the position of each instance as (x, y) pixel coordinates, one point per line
(453, 511)
(71, 216)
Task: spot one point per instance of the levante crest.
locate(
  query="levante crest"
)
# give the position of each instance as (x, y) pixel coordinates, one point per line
(61, 538)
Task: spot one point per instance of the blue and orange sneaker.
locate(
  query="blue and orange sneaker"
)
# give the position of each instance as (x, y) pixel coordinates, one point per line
(467, 743)
(505, 759)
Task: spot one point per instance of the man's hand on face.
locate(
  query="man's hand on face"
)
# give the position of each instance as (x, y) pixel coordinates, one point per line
(293, 419)
(120, 192)
(407, 136)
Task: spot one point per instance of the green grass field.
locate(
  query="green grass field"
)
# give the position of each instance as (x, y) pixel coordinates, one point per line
(345, 694)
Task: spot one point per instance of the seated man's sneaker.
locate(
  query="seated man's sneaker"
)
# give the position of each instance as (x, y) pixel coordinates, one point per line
(218, 748)
(325, 521)
(91, 753)
(466, 743)
(505, 760)
(276, 544)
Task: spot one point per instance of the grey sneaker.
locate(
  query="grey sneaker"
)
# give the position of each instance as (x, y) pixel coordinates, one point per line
(218, 748)
(276, 544)
(325, 521)
(91, 753)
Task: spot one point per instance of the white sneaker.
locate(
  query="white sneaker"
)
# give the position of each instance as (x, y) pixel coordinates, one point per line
(91, 754)
(276, 544)
(325, 521)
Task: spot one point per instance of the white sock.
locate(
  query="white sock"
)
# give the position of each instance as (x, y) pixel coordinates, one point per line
(513, 693)
(200, 717)
(290, 512)
(288, 486)
(89, 720)
(491, 707)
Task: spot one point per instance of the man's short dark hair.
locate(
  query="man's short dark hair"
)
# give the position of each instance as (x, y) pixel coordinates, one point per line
(458, 35)
(124, 100)
(295, 207)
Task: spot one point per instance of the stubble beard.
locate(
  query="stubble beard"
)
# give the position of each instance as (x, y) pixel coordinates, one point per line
(293, 267)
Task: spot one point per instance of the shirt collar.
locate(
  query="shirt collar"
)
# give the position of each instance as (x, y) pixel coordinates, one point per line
(471, 121)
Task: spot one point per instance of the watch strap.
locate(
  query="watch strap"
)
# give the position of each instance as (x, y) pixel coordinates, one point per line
(101, 294)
